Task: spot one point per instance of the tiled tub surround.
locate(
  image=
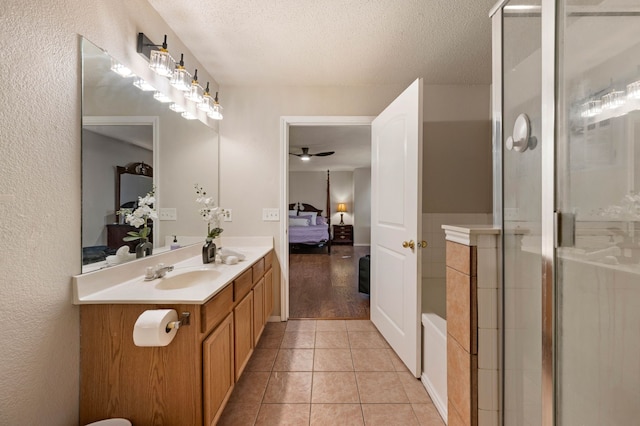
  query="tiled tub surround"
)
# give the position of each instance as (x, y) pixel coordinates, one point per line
(472, 325)
(434, 256)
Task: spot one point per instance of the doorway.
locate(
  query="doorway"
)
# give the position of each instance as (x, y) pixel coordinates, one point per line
(314, 279)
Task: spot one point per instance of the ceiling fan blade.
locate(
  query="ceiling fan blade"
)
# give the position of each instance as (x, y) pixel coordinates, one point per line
(297, 155)
(324, 154)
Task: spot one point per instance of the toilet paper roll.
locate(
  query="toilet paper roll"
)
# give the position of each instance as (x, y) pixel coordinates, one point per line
(151, 328)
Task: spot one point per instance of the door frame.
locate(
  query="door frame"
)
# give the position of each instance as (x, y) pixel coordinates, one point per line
(285, 123)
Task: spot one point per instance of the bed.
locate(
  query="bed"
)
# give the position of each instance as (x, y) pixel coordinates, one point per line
(307, 226)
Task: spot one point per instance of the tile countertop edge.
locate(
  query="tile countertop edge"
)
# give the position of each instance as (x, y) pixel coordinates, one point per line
(468, 234)
(86, 286)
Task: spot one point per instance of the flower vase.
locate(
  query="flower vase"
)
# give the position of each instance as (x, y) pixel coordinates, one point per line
(144, 248)
(208, 251)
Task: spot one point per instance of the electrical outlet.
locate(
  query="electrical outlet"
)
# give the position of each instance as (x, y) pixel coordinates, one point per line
(228, 216)
(270, 215)
(168, 214)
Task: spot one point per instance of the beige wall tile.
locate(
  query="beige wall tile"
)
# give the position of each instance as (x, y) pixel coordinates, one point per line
(461, 258)
(462, 309)
(459, 380)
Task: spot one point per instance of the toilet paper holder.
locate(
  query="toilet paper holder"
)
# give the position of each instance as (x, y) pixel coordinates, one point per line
(184, 320)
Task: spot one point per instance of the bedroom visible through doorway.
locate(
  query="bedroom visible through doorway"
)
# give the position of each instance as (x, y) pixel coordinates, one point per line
(328, 187)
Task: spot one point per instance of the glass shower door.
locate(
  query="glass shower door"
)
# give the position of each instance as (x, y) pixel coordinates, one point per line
(521, 290)
(598, 194)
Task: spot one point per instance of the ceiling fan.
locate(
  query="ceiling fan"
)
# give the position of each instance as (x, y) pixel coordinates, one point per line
(305, 156)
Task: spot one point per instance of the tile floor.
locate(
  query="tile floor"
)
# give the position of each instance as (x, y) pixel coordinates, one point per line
(327, 372)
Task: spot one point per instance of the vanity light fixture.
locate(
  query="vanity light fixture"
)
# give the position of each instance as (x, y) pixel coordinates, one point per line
(207, 102)
(181, 79)
(177, 108)
(195, 90)
(187, 115)
(613, 99)
(161, 97)
(591, 108)
(216, 109)
(160, 61)
(143, 85)
(120, 69)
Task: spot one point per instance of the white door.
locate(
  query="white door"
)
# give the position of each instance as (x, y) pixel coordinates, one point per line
(396, 201)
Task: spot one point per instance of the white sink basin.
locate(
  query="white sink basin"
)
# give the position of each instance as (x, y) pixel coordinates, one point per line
(192, 278)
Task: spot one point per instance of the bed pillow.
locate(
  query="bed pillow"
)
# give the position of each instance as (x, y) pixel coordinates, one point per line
(298, 221)
(293, 213)
(321, 220)
(311, 215)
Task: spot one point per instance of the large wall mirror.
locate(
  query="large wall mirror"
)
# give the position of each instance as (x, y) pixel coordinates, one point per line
(132, 143)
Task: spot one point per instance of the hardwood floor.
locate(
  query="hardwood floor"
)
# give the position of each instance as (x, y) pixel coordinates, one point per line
(326, 286)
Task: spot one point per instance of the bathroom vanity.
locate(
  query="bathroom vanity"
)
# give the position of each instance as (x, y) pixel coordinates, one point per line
(189, 381)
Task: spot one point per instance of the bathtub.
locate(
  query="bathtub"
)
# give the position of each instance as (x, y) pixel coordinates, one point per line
(434, 360)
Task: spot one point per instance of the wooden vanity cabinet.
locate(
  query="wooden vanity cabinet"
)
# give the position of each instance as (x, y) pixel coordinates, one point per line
(187, 382)
(258, 311)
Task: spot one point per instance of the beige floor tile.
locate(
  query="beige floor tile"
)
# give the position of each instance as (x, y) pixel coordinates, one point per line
(332, 339)
(294, 360)
(250, 388)
(239, 414)
(332, 360)
(336, 415)
(288, 387)
(367, 340)
(371, 360)
(270, 340)
(331, 325)
(301, 325)
(389, 415)
(380, 388)
(334, 387)
(299, 339)
(262, 359)
(283, 415)
(427, 415)
(275, 327)
(398, 365)
(360, 325)
(414, 389)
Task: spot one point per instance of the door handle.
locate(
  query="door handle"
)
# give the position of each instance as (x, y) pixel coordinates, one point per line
(410, 244)
(422, 244)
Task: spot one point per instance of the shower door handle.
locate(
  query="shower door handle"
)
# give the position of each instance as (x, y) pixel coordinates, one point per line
(521, 138)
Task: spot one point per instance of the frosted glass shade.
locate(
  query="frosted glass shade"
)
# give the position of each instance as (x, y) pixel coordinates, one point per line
(181, 79)
(216, 112)
(161, 62)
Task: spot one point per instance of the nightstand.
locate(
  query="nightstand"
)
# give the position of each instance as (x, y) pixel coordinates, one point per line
(342, 234)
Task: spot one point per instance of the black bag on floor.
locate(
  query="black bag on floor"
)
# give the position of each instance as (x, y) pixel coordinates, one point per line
(364, 269)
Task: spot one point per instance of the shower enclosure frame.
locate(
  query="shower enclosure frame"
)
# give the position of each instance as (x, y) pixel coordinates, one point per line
(553, 114)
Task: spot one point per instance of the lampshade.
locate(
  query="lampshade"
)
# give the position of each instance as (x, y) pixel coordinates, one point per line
(195, 90)
(161, 62)
(342, 208)
(181, 79)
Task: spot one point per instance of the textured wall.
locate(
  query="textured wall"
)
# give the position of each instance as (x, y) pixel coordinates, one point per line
(40, 191)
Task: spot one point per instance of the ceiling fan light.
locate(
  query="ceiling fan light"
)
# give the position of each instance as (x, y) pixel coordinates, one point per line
(305, 157)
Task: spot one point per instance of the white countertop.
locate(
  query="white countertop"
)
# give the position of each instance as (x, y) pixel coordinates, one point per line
(126, 284)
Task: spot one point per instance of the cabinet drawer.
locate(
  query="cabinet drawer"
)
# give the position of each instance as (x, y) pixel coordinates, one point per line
(258, 269)
(217, 308)
(242, 285)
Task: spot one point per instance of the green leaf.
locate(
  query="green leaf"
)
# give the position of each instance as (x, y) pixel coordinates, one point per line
(126, 239)
(144, 232)
(133, 234)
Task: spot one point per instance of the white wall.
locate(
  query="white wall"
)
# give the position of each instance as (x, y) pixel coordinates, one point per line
(40, 174)
(362, 207)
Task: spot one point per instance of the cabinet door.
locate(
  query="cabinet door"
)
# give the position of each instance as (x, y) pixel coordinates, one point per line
(268, 294)
(217, 359)
(243, 325)
(258, 310)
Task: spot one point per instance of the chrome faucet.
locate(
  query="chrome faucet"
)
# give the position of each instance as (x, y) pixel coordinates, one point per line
(158, 271)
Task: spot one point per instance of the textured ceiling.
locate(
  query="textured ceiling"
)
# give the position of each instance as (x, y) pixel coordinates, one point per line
(335, 42)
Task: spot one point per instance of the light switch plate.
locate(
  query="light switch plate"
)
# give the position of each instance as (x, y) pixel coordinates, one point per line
(228, 215)
(270, 215)
(168, 214)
